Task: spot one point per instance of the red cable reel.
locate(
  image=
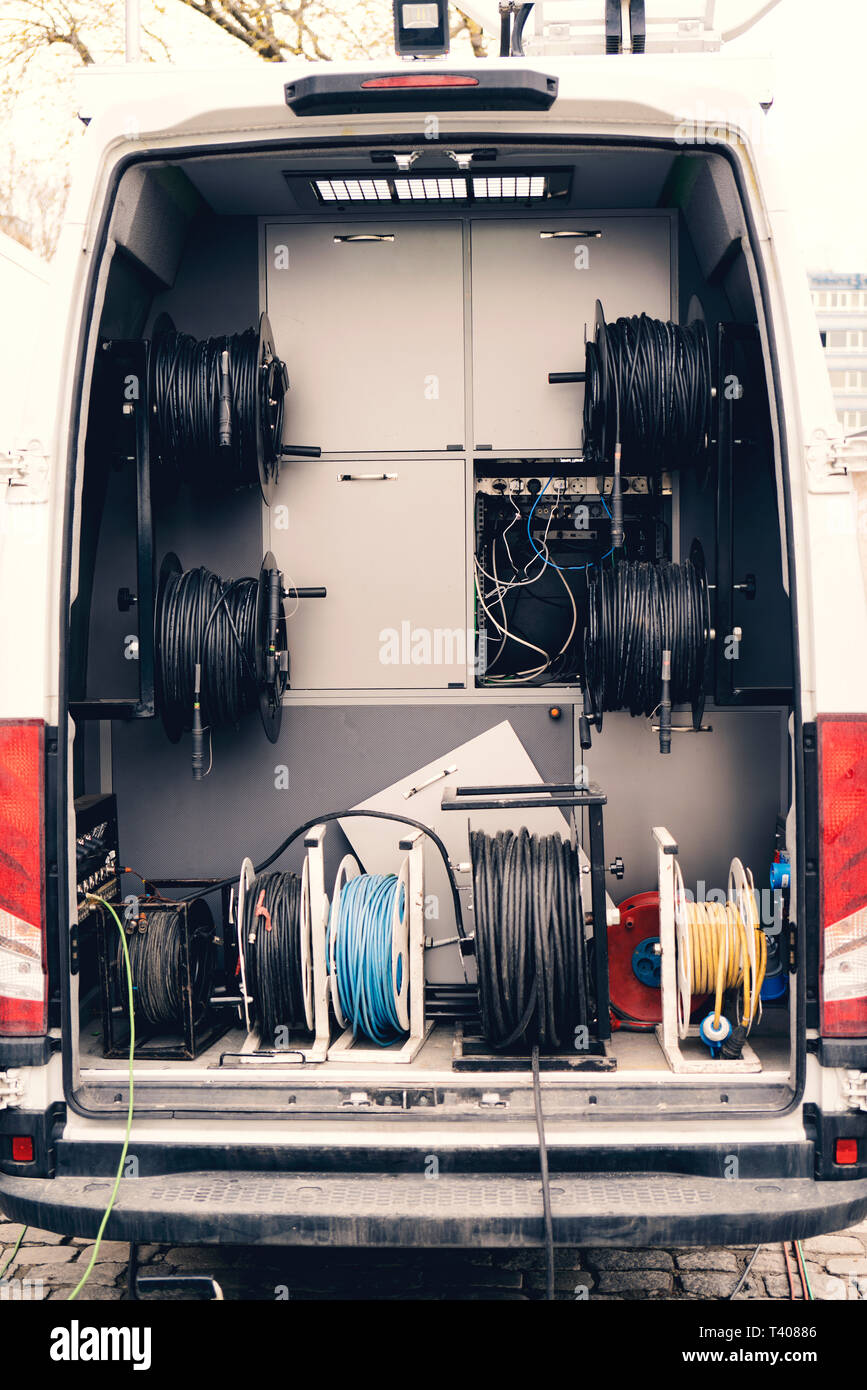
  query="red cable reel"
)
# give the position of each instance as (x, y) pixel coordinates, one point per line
(634, 965)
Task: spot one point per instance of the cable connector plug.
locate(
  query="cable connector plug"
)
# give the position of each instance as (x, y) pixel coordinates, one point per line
(617, 532)
(665, 705)
(224, 426)
(198, 731)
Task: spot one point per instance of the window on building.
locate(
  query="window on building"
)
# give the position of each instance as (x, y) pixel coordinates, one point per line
(848, 381)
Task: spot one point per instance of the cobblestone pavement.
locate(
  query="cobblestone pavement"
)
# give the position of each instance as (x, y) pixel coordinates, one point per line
(49, 1266)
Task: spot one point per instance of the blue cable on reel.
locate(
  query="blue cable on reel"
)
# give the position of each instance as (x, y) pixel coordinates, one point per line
(362, 941)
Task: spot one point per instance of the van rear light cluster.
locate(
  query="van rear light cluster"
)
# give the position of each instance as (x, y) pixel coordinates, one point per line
(843, 878)
(23, 983)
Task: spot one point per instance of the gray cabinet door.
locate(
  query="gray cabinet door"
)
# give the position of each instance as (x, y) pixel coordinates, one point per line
(533, 295)
(372, 332)
(391, 552)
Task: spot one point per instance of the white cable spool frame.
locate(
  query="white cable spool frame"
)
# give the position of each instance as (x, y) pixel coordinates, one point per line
(669, 1033)
(407, 943)
(313, 968)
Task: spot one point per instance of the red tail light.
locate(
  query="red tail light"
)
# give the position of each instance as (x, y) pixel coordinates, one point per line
(843, 876)
(428, 79)
(23, 984)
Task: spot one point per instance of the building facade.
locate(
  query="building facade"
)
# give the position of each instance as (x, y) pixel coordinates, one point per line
(840, 302)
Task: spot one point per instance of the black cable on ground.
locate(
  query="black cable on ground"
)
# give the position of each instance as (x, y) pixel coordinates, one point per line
(208, 623)
(637, 610)
(743, 1279)
(529, 939)
(546, 1180)
(659, 398)
(271, 930)
(208, 413)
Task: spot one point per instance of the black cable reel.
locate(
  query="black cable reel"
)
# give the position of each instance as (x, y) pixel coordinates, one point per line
(648, 385)
(172, 951)
(220, 646)
(217, 409)
(220, 651)
(648, 407)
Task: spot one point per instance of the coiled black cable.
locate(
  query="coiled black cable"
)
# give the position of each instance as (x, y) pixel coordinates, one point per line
(658, 402)
(187, 379)
(529, 939)
(207, 622)
(635, 612)
(156, 956)
(272, 946)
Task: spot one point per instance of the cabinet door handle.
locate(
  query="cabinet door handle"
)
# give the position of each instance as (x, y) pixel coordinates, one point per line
(367, 477)
(588, 233)
(365, 236)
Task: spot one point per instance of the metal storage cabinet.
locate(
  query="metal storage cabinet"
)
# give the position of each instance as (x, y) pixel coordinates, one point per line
(391, 552)
(531, 302)
(372, 332)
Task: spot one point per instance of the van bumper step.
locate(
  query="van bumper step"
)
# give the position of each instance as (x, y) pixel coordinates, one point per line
(387, 1209)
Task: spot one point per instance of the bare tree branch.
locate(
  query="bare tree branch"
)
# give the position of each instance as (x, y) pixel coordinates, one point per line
(43, 25)
(475, 31)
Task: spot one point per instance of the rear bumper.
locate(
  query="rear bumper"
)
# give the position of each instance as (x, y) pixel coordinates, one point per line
(458, 1210)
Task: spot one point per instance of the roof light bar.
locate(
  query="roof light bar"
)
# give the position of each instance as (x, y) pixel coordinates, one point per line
(431, 189)
(438, 188)
(510, 186)
(353, 190)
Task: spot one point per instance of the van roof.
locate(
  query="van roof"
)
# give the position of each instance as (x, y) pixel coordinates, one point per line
(146, 98)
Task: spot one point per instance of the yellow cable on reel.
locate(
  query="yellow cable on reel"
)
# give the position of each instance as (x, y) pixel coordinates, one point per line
(720, 946)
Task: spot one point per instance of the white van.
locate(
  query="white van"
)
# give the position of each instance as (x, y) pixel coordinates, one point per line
(434, 468)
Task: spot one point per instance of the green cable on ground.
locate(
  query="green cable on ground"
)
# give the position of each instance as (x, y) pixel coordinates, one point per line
(804, 1274)
(14, 1252)
(113, 1198)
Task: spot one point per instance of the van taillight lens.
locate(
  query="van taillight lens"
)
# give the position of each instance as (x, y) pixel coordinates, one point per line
(843, 875)
(425, 79)
(23, 984)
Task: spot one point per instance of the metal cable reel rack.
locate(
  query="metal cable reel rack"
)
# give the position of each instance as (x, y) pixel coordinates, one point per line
(127, 402)
(676, 1028)
(188, 1020)
(331, 1029)
(473, 1051)
(405, 977)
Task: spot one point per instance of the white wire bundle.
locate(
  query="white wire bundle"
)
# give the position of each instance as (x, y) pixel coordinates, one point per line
(502, 588)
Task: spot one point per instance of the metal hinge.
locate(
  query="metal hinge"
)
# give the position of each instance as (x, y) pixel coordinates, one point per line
(11, 1089)
(24, 471)
(839, 454)
(855, 1090)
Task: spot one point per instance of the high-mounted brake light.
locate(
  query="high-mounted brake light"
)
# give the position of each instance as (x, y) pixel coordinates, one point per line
(843, 876)
(23, 983)
(500, 88)
(422, 79)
